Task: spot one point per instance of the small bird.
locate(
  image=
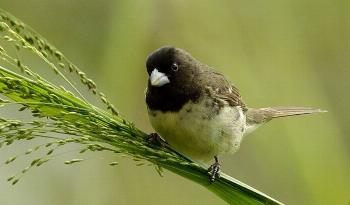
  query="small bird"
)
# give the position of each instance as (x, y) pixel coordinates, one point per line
(197, 111)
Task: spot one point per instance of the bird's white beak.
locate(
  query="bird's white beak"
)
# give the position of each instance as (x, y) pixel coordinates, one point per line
(158, 79)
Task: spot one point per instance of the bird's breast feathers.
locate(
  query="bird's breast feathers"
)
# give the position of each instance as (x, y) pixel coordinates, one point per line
(201, 129)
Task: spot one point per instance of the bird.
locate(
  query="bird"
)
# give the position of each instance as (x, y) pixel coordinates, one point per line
(197, 111)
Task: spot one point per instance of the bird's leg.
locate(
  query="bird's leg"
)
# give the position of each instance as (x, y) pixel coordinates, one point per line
(214, 170)
(155, 139)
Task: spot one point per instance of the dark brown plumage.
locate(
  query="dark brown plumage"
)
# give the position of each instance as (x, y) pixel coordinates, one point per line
(192, 80)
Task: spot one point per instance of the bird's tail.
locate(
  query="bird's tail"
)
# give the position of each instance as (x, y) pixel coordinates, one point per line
(261, 115)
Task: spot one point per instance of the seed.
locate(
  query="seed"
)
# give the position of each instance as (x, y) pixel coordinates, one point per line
(50, 152)
(11, 178)
(25, 170)
(83, 150)
(11, 159)
(22, 108)
(15, 181)
(18, 47)
(27, 72)
(34, 162)
(61, 65)
(8, 38)
(42, 161)
(58, 55)
(44, 54)
(104, 100)
(73, 161)
(71, 68)
(81, 74)
(140, 164)
(29, 151)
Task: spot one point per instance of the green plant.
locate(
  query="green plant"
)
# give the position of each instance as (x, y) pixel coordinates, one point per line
(73, 120)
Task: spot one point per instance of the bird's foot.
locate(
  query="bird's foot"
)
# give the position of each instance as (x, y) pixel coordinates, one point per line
(214, 170)
(155, 139)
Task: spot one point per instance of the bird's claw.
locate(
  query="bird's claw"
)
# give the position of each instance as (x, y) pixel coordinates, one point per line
(214, 171)
(155, 139)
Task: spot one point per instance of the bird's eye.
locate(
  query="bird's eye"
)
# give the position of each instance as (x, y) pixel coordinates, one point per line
(174, 67)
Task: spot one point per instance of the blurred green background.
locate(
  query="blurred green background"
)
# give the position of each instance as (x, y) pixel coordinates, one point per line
(289, 52)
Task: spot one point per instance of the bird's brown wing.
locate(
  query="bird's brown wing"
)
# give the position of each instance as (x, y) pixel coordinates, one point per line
(221, 89)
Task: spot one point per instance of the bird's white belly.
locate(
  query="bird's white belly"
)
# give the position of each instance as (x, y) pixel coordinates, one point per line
(199, 131)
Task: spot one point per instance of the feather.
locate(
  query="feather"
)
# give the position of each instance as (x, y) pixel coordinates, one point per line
(262, 115)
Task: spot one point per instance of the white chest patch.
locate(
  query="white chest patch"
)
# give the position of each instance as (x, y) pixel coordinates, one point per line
(202, 130)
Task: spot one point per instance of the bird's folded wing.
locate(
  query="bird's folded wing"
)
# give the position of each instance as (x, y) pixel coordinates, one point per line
(222, 90)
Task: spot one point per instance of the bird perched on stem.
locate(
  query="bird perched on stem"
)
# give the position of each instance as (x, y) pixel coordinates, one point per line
(197, 111)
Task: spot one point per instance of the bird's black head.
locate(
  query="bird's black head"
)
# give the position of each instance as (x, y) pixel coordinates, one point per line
(168, 65)
(172, 73)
